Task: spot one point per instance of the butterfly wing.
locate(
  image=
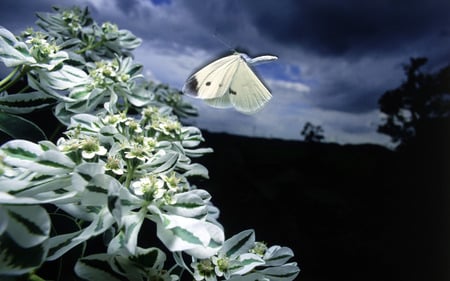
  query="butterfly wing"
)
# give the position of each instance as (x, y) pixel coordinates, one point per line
(220, 102)
(247, 93)
(213, 80)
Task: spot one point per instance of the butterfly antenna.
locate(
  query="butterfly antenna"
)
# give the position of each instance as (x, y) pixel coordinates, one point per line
(221, 40)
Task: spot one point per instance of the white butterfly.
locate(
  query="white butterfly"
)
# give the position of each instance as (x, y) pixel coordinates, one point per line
(230, 81)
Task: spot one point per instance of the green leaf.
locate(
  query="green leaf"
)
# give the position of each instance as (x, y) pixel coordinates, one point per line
(24, 103)
(20, 128)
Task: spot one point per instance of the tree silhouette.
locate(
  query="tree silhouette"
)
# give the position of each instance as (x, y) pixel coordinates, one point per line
(312, 133)
(418, 106)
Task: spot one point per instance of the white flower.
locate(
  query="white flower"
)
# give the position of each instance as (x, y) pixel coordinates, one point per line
(204, 270)
(91, 147)
(115, 165)
(151, 187)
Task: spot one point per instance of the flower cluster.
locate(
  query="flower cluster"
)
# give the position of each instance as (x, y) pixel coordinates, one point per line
(243, 258)
(124, 160)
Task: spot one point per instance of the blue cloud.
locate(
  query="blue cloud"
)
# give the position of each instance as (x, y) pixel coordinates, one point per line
(161, 2)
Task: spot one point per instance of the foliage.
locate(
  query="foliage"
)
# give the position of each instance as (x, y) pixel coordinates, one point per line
(123, 160)
(420, 101)
(312, 133)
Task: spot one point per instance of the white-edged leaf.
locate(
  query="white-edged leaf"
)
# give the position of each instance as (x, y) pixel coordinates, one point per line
(128, 235)
(36, 189)
(187, 204)
(13, 52)
(13, 184)
(52, 162)
(276, 255)
(150, 257)
(247, 262)
(12, 261)
(60, 244)
(198, 238)
(28, 226)
(25, 102)
(195, 169)
(97, 267)
(164, 161)
(197, 152)
(56, 198)
(64, 78)
(21, 153)
(239, 244)
(286, 272)
(33, 83)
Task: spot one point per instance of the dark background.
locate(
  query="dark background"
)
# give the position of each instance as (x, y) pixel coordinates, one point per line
(349, 212)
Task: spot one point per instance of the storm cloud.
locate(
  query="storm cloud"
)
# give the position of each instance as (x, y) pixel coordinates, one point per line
(336, 58)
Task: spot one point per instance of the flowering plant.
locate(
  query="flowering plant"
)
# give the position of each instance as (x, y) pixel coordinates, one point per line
(123, 160)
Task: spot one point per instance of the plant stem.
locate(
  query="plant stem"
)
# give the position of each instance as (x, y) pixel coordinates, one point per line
(9, 82)
(34, 277)
(10, 75)
(55, 132)
(130, 172)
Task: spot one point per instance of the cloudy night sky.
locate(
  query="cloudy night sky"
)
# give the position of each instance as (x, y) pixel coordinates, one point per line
(336, 58)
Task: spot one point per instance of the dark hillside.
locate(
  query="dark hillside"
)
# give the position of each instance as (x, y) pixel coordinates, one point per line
(349, 212)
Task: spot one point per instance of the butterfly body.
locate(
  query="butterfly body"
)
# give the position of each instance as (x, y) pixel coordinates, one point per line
(230, 82)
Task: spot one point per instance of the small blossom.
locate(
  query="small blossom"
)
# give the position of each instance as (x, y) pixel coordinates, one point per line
(91, 147)
(136, 151)
(151, 187)
(222, 264)
(149, 112)
(133, 126)
(172, 181)
(169, 126)
(114, 119)
(115, 165)
(68, 145)
(204, 270)
(259, 249)
(41, 49)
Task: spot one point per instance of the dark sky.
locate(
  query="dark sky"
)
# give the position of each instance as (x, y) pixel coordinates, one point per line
(336, 58)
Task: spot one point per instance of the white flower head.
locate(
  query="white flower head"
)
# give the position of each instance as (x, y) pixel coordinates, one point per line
(150, 187)
(90, 147)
